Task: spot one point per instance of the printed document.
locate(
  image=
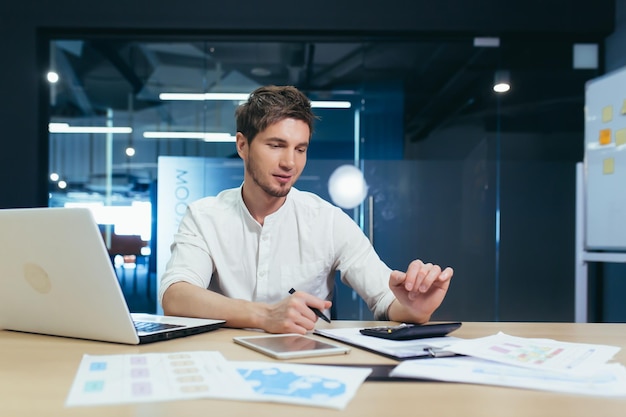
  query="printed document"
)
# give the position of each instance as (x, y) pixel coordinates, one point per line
(536, 353)
(117, 379)
(397, 349)
(608, 380)
(135, 378)
(541, 364)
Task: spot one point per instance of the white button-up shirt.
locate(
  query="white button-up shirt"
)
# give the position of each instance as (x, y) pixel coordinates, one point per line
(220, 246)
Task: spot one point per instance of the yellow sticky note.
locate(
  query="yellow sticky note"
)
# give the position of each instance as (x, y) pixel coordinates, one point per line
(624, 107)
(620, 137)
(608, 166)
(605, 136)
(607, 114)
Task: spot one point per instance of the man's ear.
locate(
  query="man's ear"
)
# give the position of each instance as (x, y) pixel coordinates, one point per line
(242, 145)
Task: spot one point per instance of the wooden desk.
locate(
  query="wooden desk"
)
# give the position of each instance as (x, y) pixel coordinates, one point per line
(36, 373)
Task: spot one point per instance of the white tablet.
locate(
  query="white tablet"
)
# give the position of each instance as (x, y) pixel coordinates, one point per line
(288, 346)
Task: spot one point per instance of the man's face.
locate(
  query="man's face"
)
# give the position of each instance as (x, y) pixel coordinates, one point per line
(276, 157)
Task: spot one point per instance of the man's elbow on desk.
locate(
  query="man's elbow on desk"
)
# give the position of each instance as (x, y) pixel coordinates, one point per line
(188, 300)
(179, 300)
(168, 301)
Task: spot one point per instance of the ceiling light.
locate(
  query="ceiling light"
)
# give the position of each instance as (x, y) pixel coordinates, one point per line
(501, 83)
(328, 104)
(205, 136)
(487, 42)
(331, 104)
(204, 96)
(66, 128)
(501, 87)
(52, 77)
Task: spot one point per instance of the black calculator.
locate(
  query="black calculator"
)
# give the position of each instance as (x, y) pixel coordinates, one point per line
(411, 331)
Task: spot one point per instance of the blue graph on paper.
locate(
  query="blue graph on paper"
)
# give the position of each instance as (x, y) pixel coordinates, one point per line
(273, 381)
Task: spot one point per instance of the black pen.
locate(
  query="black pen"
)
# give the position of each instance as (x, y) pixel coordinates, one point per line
(315, 310)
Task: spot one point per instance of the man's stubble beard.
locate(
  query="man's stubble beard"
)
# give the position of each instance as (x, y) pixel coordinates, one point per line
(273, 191)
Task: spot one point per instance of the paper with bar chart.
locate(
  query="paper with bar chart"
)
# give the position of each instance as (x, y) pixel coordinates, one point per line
(545, 354)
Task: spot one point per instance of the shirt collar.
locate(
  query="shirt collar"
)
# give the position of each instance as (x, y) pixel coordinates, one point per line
(275, 215)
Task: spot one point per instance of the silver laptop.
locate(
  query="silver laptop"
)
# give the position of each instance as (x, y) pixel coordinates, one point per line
(56, 278)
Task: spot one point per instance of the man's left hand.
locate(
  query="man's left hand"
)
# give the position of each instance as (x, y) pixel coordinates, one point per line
(421, 289)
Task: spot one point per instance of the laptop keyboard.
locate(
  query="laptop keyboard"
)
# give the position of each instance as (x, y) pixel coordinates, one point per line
(151, 326)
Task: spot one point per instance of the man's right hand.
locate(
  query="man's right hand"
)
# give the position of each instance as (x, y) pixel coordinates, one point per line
(293, 314)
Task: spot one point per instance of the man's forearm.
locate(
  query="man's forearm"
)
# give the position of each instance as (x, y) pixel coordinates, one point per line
(187, 300)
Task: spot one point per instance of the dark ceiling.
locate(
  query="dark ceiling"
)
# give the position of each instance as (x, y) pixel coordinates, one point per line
(443, 79)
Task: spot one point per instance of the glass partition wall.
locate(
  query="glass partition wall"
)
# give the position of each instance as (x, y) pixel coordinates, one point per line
(455, 173)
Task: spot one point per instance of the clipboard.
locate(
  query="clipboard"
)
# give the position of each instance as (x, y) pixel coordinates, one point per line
(399, 350)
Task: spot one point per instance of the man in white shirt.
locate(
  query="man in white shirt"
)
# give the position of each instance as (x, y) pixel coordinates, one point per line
(236, 256)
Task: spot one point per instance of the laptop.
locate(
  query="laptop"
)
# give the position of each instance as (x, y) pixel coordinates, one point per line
(56, 278)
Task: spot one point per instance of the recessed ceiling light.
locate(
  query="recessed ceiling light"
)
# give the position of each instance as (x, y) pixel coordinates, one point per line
(501, 83)
(52, 77)
(501, 87)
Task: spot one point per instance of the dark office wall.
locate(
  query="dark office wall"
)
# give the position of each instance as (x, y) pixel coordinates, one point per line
(614, 55)
(23, 141)
(537, 241)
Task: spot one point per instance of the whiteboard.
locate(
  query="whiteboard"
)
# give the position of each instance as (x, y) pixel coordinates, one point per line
(605, 162)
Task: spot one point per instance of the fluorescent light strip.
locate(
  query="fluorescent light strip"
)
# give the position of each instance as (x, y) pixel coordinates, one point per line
(331, 104)
(205, 136)
(66, 128)
(242, 97)
(204, 97)
(487, 42)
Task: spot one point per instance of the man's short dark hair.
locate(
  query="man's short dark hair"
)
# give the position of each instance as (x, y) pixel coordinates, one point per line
(271, 104)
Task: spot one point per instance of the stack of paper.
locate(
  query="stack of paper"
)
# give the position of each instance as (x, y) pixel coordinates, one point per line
(117, 379)
(542, 364)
